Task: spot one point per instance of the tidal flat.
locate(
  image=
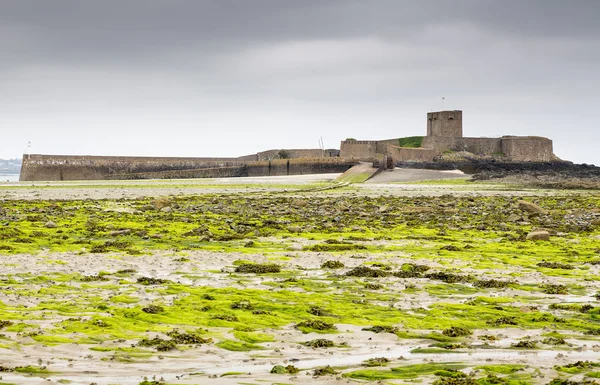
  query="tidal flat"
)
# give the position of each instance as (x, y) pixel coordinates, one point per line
(295, 283)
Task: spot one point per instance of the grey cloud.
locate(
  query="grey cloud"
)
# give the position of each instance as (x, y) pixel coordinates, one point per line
(271, 68)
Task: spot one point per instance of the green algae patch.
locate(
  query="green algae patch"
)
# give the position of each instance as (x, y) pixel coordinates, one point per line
(502, 368)
(124, 298)
(432, 351)
(316, 326)
(377, 361)
(238, 346)
(403, 372)
(577, 367)
(253, 338)
(52, 340)
(280, 369)
(33, 370)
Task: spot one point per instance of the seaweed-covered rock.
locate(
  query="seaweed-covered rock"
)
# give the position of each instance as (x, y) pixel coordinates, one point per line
(457, 331)
(448, 277)
(158, 343)
(525, 344)
(153, 309)
(319, 343)
(278, 369)
(187, 338)
(226, 317)
(555, 265)
(367, 272)
(152, 281)
(242, 305)
(93, 278)
(316, 325)
(373, 286)
(332, 265)
(491, 284)
(318, 311)
(555, 289)
(378, 361)
(381, 329)
(503, 321)
(257, 268)
(324, 371)
(554, 341)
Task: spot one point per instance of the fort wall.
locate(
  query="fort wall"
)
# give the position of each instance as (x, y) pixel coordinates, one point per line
(478, 146)
(406, 154)
(365, 150)
(360, 149)
(296, 153)
(528, 148)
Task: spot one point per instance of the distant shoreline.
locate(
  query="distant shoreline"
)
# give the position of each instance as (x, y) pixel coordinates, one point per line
(9, 177)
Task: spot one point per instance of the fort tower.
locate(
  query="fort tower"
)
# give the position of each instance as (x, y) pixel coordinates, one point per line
(445, 123)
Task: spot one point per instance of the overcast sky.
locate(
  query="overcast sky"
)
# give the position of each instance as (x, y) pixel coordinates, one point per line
(232, 77)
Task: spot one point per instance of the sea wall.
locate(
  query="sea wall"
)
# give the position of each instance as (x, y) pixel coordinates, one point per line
(213, 172)
(299, 166)
(64, 167)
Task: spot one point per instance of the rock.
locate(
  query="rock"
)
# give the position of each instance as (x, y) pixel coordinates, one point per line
(50, 225)
(166, 210)
(120, 232)
(532, 208)
(513, 218)
(550, 231)
(299, 203)
(538, 235)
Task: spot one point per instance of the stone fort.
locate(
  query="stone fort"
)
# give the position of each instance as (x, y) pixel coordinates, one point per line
(444, 135)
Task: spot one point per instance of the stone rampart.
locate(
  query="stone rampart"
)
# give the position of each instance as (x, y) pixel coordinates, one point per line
(478, 146)
(360, 149)
(408, 154)
(528, 148)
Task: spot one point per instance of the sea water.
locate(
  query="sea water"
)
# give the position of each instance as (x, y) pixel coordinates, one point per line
(9, 177)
